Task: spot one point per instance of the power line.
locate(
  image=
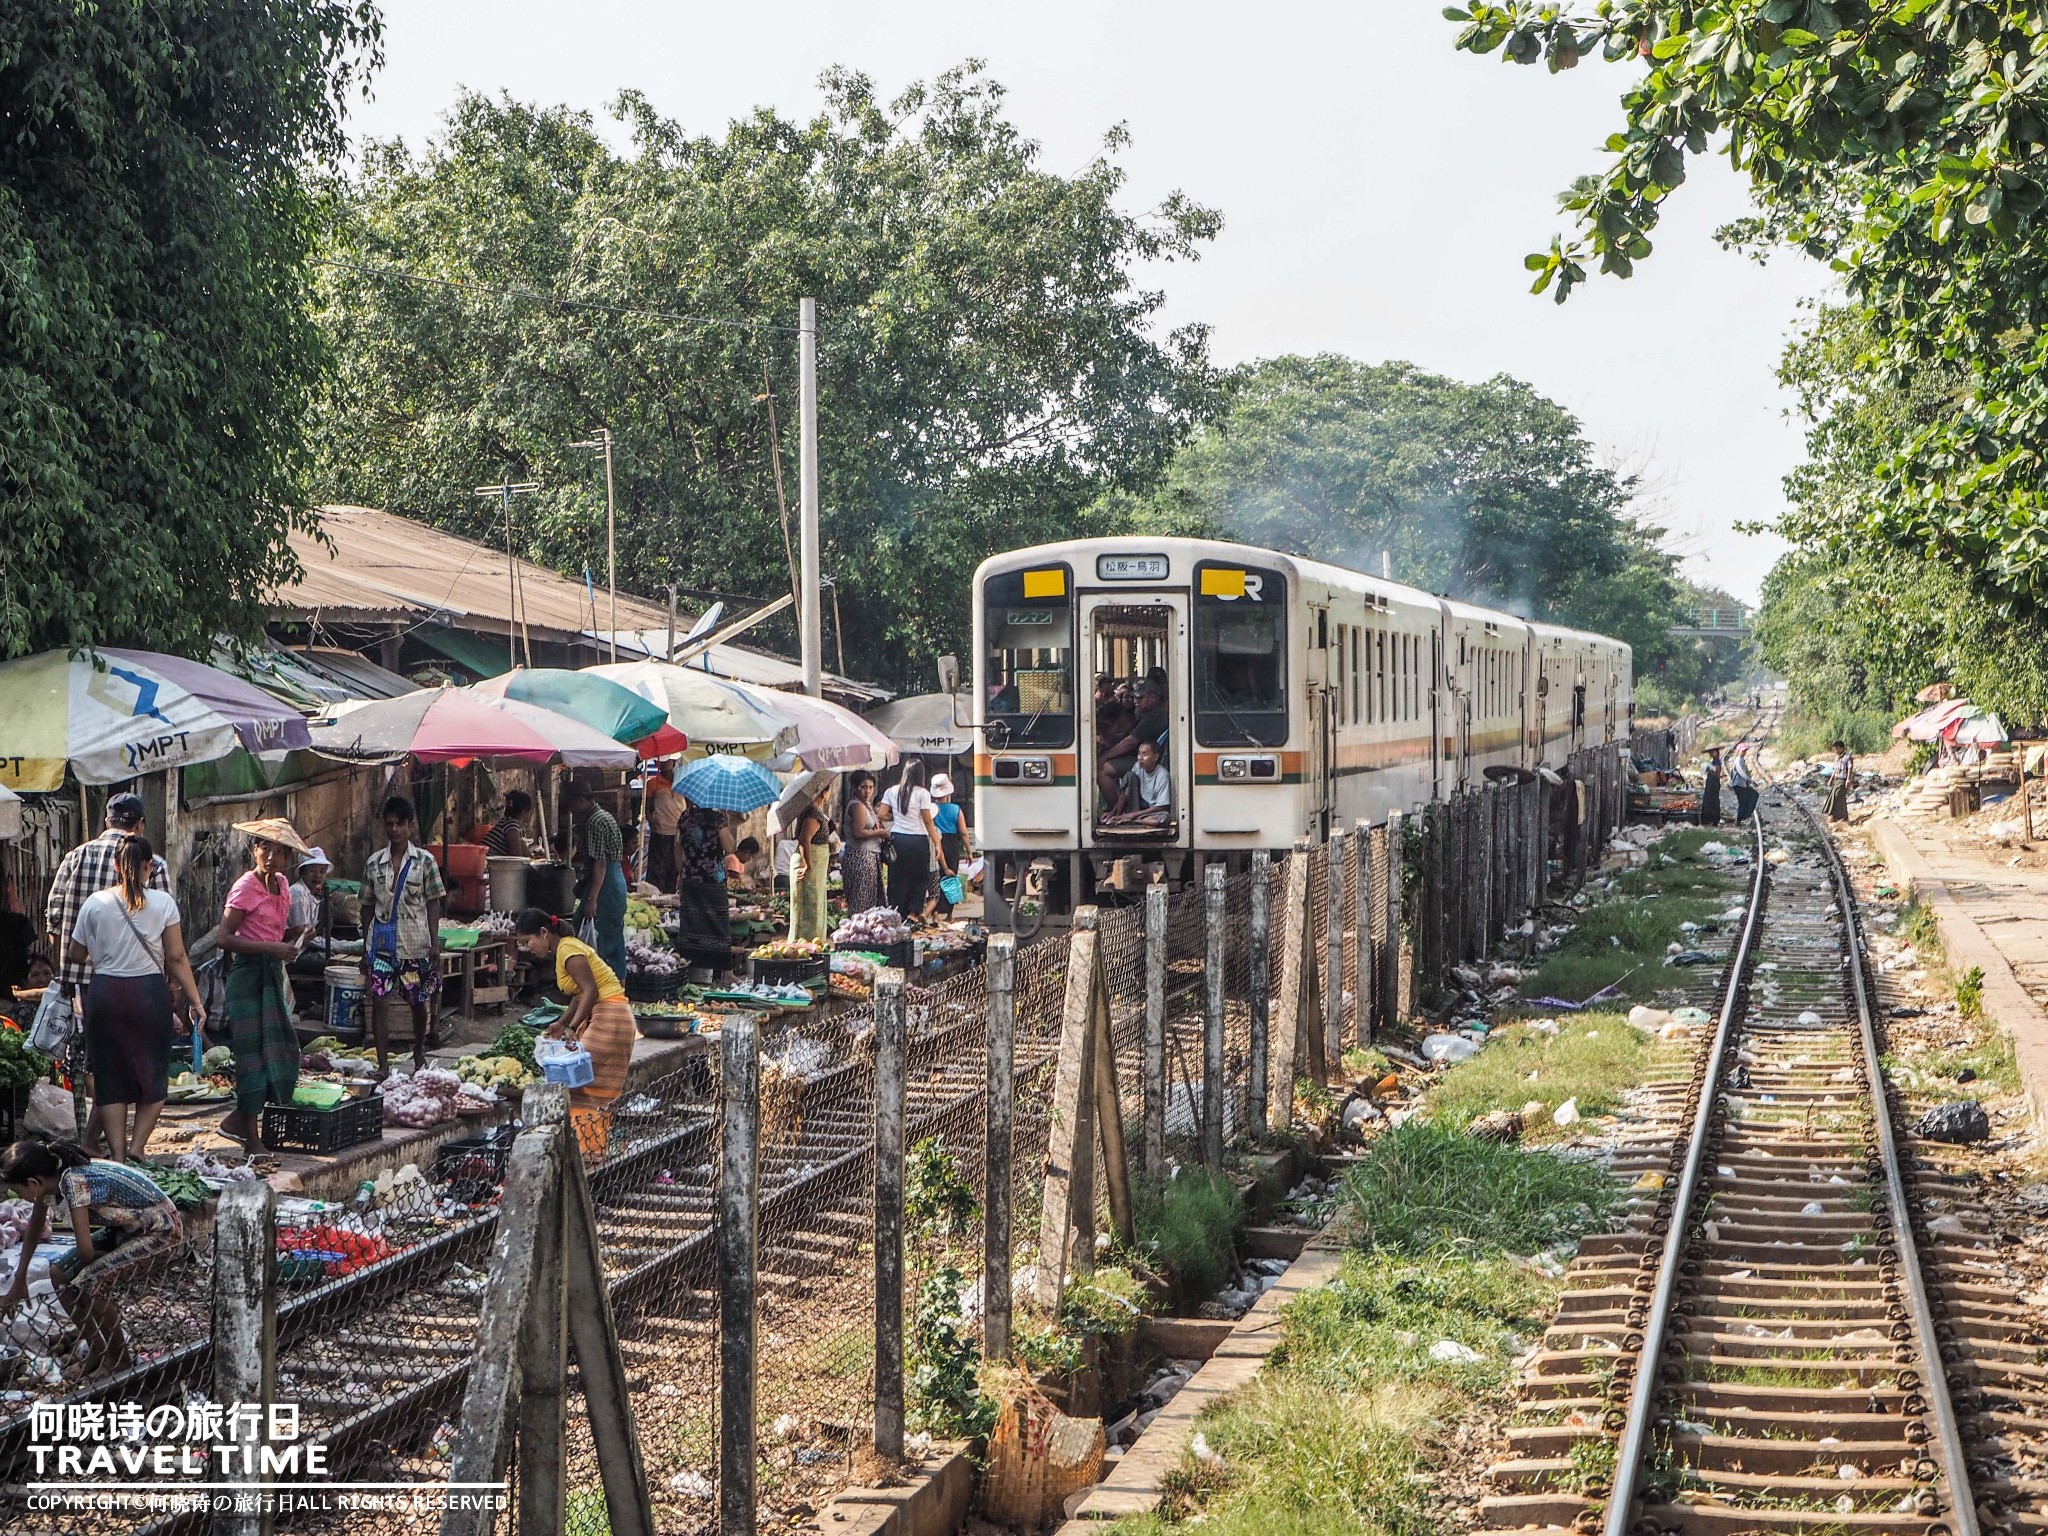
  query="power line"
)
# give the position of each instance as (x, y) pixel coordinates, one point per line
(537, 296)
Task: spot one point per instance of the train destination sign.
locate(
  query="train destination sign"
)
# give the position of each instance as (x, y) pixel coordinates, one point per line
(1130, 567)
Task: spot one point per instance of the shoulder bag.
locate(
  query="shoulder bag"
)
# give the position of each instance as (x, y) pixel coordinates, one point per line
(384, 931)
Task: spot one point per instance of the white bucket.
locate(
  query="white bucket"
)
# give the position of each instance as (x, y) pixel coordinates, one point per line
(508, 883)
(344, 998)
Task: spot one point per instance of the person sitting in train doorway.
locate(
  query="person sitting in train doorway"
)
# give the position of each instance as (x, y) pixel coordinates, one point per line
(1119, 757)
(1145, 795)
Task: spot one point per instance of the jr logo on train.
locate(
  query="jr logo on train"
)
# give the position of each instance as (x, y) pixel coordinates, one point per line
(1154, 705)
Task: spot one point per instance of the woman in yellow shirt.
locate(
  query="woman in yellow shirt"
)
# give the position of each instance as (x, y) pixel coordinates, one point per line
(599, 1018)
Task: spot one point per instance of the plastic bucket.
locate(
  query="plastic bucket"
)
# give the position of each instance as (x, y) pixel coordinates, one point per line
(508, 883)
(344, 998)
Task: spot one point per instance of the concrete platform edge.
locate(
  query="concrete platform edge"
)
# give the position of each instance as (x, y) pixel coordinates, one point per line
(1966, 945)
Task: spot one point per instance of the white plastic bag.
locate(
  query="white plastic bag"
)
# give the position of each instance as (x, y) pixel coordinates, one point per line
(50, 1111)
(51, 1031)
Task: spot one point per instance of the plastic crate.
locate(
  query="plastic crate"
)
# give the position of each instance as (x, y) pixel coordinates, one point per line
(294, 1128)
(474, 1166)
(655, 989)
(789, 973)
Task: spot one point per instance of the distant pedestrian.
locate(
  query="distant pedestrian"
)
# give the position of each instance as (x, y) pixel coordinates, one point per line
(1710, 796)
(604, 896)
(1742, 779)
(1845, 771)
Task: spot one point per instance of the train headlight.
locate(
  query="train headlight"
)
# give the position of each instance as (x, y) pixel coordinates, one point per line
(1023, 770)
(1239, 769)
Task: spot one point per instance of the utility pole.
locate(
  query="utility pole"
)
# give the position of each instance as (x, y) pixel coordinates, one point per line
(603, 442)
(505, 491)
(809, 617)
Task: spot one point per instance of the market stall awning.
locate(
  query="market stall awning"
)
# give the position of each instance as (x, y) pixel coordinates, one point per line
(711, 711)
(132, 713)
(827, 736)
(1931, 722)
(598, 702)
(458, 725)
(924, 723)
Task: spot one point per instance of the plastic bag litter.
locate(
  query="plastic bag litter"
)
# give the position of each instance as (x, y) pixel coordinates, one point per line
(1566, 1113)
(1809, 1019)
(1649, 1018)
(1448, 1049)
(1451, 1352)
(1709, 849)
(1691, 1016)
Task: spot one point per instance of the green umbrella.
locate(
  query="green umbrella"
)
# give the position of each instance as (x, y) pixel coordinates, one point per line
(595, 701)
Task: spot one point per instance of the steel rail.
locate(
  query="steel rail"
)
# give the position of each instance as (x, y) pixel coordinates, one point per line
(1962, 1504)
(1642, 1402)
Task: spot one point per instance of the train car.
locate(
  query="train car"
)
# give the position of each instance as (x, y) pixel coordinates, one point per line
(1489, 667)
(1295, 696)
(1582, 695)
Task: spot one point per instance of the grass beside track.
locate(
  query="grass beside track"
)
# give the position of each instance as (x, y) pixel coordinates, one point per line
(1422, 1324)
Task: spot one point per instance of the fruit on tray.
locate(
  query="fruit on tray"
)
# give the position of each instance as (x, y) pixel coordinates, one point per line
(788, 949)
(853, 991)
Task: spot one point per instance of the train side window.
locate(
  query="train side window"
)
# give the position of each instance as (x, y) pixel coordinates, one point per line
(1354, 672)
(1240, 655)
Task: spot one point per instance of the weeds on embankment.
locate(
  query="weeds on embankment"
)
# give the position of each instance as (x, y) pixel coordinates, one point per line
(1423, 1322)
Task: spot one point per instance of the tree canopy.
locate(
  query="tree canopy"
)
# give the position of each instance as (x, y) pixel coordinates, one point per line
(988, 366)
(155, 220)
(1487, 492)
(1903, 141)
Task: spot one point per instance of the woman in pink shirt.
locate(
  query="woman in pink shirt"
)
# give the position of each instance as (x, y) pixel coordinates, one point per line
(255, 929)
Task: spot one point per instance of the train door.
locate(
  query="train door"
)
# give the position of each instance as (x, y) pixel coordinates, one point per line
(1322, 723)
(1139, 642)
(1462, 686)
(1436, 711)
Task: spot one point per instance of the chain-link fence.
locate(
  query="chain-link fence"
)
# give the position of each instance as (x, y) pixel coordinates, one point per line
(379, 1301)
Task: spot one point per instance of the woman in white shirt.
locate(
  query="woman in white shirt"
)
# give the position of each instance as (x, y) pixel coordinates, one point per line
(914, 840)
(135, 944)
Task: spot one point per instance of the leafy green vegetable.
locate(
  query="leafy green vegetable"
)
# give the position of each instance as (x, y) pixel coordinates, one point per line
(20, 1066)
(516, 1042)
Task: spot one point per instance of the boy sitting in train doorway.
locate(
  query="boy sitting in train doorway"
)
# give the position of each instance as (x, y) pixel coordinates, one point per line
(1145, 794)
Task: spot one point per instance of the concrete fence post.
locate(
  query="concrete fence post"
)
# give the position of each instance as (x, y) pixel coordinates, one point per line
(245, 1338)
(738, 1243)
(1333, 950)
(1153, 1131)
(1390, 961)
(889, 1052)
(997, 1160)
(1259, 941)
(1212, 1020)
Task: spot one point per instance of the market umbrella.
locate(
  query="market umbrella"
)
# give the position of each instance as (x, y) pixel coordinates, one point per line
(598, 702)
(10, 815)
(728, 783)
(803, 789)
(711, 712)
(135, 712)
(827, 734)
(456, 725)
(924, 723)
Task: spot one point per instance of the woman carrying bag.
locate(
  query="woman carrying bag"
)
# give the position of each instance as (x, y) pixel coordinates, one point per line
(133, 938)
(913, 839)
(256, 932)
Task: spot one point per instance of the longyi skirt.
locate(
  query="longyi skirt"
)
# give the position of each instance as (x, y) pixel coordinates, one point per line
(128, 1038)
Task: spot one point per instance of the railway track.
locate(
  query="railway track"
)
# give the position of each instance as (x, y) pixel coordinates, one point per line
(1774, 1342)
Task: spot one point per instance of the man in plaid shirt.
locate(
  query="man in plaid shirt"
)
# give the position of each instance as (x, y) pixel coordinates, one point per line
(87, 869)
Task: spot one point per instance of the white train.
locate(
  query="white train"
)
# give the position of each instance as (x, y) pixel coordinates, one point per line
(1299, 696)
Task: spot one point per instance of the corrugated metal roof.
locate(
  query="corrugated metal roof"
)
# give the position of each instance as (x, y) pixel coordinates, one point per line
(385, 569)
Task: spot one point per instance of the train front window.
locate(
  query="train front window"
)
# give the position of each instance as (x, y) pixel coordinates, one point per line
(1240, 635)
(1028, 664)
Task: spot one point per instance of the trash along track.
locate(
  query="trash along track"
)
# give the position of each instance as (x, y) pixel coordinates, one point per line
(1760, 1348)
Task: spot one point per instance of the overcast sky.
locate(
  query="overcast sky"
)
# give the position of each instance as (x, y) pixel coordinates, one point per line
(1378, 190)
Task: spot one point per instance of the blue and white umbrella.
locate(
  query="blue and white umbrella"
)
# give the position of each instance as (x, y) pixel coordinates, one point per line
(728, 782)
